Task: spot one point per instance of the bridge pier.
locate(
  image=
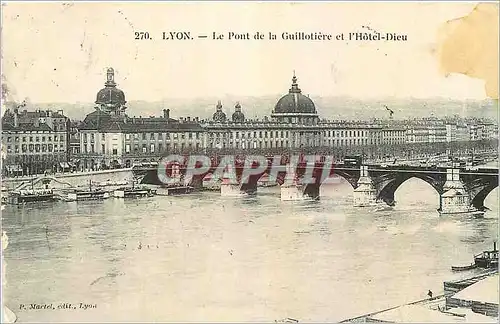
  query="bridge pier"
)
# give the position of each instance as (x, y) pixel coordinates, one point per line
(196, 182)
(364, 194)
(230, 186)
(455, 198)
(293, 192)
(291, 189)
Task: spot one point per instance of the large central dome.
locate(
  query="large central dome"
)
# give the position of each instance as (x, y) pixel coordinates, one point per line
(294, 102)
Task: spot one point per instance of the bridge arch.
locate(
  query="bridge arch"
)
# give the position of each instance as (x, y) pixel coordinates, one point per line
(350, 176)
(388, 185)
(478, 199)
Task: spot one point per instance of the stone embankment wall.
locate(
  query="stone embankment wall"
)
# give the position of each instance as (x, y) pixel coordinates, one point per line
(77, 179)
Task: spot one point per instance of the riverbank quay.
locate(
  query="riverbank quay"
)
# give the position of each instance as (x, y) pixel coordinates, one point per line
(470, 300)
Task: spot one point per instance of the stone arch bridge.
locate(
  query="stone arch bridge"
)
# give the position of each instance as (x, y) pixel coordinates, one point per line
(372, 183)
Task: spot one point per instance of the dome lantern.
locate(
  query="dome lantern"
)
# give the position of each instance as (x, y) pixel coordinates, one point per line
(110, 78)
(295, 86)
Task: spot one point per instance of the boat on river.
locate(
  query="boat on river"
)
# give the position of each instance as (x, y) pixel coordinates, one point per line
(134, 192)
(486, 260)
(18, 197)
(82, 195)
(464, 268)
(95, 193)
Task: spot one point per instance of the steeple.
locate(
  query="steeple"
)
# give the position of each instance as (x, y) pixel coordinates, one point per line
(295, 86)
(219, 106)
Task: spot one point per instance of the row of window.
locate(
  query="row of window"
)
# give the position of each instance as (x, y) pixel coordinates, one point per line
(144, 148)
(36, 148)
(36, 138)
(285, 134)
(152, 148)
(145, 136)
(270, 144)
(165, 135)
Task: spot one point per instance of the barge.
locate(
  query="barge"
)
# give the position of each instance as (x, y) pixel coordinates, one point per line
(173, 191)
(28, 196)
(82, 195)
(486, 260)
(134, 192)
(90, 194)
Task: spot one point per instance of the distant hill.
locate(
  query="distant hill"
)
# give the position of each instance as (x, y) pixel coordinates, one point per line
(328, 107)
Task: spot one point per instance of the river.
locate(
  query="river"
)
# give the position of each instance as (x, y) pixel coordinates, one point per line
(207, 258)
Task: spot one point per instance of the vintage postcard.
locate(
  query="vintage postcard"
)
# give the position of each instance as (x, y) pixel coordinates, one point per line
(249, 162)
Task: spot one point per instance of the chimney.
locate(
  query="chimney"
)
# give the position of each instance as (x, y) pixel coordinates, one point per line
(49, 113)
(494, 246)
(167, 114)
(181, 119)
(60, 112)
(189, 119)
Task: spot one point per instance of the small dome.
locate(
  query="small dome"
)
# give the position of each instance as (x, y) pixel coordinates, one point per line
(219, 115)
(295, 101)
(238, 116)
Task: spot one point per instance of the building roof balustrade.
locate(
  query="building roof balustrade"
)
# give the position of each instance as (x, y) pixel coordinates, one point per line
(264, 124)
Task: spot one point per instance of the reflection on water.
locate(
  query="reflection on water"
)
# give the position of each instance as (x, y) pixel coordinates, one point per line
(205, 258)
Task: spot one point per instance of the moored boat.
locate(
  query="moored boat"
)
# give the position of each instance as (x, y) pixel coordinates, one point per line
(32, 195)
(81, 195)
(90, 194)
(134, 192)
(463, 268)
(486, 260)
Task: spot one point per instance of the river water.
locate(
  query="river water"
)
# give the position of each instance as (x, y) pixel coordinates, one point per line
(207, 258)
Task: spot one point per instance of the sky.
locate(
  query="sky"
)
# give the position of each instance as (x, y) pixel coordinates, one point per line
(55, 52)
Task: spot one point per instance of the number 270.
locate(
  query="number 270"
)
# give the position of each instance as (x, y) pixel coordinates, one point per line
(141, 35)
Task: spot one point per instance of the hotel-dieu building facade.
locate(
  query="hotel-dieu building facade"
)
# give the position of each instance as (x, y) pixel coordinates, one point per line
(109, 138)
